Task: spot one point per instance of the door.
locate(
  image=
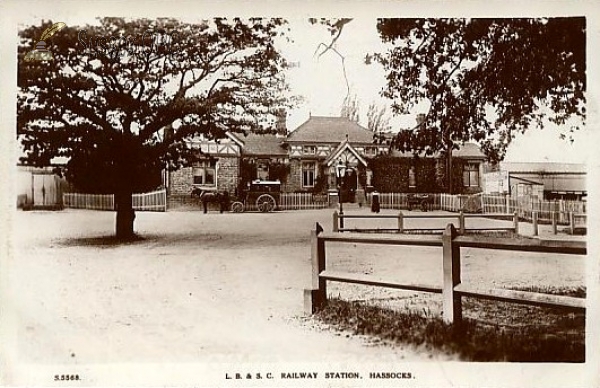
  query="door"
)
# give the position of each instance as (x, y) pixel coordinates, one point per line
(45, 190)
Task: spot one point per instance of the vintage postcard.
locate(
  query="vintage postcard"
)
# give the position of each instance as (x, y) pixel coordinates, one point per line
(302, 194)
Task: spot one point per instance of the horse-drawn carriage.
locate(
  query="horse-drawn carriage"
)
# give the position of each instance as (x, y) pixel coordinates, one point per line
(265, 195)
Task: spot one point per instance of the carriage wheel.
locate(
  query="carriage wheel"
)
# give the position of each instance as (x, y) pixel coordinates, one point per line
(237, 207)
(265, 203)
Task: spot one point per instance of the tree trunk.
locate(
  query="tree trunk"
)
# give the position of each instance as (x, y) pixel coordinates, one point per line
(125, 215)
(450, 172)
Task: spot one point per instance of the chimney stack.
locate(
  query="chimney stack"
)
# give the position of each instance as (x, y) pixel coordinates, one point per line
(281, 123)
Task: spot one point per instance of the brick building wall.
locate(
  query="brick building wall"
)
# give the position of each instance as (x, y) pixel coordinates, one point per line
(227, 174)
(294, 179)
(181, 184)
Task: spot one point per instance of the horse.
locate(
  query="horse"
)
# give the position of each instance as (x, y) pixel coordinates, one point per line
(211, 197)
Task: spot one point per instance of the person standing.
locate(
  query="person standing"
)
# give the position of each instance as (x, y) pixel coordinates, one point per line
(375, 206)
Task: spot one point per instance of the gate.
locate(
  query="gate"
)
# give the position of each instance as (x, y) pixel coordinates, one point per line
(46, 190)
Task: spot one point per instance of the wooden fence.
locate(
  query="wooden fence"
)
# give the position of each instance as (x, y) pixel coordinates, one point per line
(525, 206)
(452, 289)
(449, 202)
(338, 222)
(153, 201)
(302, 201)
(89, 201)
(399, 201)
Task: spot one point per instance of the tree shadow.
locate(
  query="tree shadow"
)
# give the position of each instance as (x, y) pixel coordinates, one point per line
(105, 241)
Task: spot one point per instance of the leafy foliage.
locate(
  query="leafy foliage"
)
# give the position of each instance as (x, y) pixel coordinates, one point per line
(321, 182)
(390, 174)
(247, 171)
(122, 99)
(279, 171)
(485, 79)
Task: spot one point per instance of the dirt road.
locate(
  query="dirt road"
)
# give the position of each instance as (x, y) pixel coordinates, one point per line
(215, 287)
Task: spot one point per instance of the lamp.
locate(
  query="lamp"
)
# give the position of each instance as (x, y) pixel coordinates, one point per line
(340, 171)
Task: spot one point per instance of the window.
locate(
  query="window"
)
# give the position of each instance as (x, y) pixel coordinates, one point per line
(371, 151)
(308, 174)
(309, 150)
(205, 173)
(412, 179)
(471, 175)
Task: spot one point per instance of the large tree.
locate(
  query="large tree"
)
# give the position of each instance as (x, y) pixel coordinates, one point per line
(483, 79)
(121, 98)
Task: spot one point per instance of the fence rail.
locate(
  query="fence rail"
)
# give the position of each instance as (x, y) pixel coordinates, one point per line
(338, 222)
(153, 201)
(452, 289)
(526, 206)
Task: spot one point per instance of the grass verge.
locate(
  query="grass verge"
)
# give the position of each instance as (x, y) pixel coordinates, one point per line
(491, 331)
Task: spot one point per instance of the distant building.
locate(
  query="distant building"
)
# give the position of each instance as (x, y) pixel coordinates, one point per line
(546, 179)
(311, 155)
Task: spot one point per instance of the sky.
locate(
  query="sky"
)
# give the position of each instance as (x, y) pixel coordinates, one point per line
(319, 80)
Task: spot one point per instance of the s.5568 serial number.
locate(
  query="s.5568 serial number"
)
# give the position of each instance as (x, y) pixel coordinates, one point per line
(66, 377)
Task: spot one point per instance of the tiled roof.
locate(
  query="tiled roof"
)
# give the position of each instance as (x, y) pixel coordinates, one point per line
(468, 151)
(547, 167)
(318, 129)
(259, 144)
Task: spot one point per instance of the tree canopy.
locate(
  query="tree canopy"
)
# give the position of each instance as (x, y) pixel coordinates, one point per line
(121, 98)
(484, 79)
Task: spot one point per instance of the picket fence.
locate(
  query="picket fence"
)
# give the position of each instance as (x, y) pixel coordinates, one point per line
(302, 201)
(153, 201)
(572, 213)
(454, 203)
(526, 206)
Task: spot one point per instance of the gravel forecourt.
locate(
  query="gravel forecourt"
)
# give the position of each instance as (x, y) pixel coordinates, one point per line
(216, 287)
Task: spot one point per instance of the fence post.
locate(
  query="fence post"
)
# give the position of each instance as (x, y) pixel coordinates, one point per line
(534, 222)
(316, 297)
(461, 222)
(507, 197)
(400, 222)
(554, 229)
(335, 221)
(572, 222)
(516, 222)
(452, 305)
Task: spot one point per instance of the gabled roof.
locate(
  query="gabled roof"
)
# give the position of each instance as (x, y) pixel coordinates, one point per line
(261, 144)
(318, 129)
(338, 151)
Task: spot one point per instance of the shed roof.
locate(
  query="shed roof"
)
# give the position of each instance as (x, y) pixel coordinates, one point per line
(543, 167)
(319, 129)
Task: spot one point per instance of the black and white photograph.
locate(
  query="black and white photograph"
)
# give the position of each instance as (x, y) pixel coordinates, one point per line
(299, 194)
